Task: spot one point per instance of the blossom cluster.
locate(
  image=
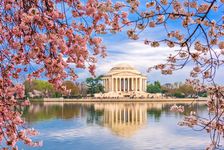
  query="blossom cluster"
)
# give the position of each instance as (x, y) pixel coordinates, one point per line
(51, 39)
(214, 123)
(176, 108)
(197, 25)
(198, 41)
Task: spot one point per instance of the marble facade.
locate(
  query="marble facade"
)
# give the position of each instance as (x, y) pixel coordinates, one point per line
(124, 79)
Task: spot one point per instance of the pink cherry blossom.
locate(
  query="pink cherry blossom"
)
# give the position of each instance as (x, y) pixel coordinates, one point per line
(42, 35)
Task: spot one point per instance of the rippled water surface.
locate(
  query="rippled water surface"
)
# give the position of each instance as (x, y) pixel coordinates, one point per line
(112, 126)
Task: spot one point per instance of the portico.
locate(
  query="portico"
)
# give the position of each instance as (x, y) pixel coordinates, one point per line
(124, 78)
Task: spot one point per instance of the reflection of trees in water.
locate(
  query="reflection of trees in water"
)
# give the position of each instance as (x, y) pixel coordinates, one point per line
(40, 112)
(95, 113)
(155, 113)
(197, 107)
(43, 111)
(165, 109)
(93, 116)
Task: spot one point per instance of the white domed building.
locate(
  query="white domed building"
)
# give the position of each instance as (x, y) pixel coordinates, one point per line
(124, 81)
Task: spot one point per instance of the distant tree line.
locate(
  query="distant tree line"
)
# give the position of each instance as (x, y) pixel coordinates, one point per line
(179, 90)
(41, 89)
(44, 89)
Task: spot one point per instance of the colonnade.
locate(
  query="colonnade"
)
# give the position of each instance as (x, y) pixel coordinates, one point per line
(125, 115)
(116, 84)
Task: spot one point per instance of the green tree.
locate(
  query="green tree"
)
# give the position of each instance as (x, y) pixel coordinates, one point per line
(94, 85)
(203, 94)
(179, 95)
(43, 86)
(154, 88)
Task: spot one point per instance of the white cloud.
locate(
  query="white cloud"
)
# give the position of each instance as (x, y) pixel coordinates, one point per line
(152, 136)
(158, 137)
(139, 55)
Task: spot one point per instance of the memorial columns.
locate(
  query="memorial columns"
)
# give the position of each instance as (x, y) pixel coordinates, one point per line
(132, 84)
(119, 84)
(140, 84)
(112, 84)
(128, 85)
(116, 84)
(124, 84)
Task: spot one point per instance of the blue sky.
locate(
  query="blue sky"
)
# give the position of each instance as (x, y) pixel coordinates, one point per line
(120, 49)
(140, 56)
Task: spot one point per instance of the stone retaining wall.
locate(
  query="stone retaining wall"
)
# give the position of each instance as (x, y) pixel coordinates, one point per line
(123, 100)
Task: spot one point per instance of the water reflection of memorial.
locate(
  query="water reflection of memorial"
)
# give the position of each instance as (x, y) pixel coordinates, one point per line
(123, 119)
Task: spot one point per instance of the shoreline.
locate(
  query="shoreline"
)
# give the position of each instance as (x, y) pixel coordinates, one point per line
(175, 100)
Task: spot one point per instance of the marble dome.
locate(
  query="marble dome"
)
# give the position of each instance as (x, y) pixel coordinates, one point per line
(123, 68)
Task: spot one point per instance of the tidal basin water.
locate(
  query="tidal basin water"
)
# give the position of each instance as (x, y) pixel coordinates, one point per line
(113, 126)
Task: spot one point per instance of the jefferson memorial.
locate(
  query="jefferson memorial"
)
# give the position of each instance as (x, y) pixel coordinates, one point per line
(124, 80)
